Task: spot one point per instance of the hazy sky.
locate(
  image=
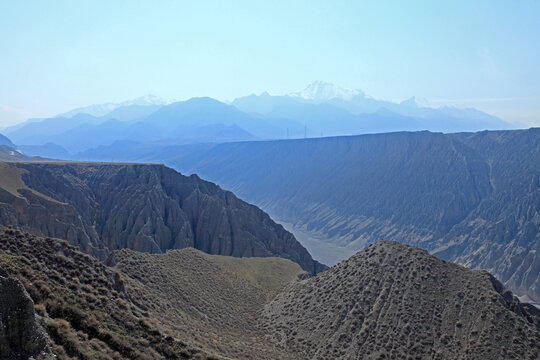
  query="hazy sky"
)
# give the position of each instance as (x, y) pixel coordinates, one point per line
(57, 55)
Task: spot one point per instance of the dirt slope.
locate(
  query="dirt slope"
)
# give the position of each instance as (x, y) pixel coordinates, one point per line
(213, 299)
(397, 301)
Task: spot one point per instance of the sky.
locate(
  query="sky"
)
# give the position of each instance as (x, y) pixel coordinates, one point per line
(58, 55)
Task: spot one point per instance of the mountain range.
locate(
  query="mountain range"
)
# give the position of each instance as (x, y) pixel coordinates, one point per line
(431, 230)
(327, 108)
(322, 109)
(117, 109)
(399, 185)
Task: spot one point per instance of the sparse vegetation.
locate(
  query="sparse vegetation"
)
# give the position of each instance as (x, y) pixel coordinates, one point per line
(394, 301)
(90, 316)
(214, 300)
(389, 301)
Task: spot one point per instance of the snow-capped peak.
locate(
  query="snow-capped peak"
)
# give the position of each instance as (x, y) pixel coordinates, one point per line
(322, 91)
(147, 100)
(415, 102)
(103, 109)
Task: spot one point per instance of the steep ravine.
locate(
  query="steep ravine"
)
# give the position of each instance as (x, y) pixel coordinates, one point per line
(472, 198)
(149, 208)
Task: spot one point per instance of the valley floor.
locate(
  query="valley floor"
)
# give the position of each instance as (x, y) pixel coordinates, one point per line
(321, 249)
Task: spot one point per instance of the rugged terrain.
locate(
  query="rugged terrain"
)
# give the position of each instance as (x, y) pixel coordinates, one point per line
(150, 208)
(182, 304)
(82, 305)
(21, 336)
(395, 301)
(473, 198)
(389, 301)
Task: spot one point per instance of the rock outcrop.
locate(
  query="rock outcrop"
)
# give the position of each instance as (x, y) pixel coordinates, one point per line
(395, 301)
(149, 208)
(21, 337)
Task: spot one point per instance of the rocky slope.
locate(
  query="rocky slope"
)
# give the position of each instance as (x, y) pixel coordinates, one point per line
(473, 198)
(178, 305)
(389, 301)
(81, 304)
(21, 337)
(395, 301)
(148, 208)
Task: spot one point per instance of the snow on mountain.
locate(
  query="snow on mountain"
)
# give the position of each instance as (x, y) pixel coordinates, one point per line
(103, 109)
(416, 102)
(323, 91)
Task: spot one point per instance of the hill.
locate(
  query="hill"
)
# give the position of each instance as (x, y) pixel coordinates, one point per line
(213, 299)
(150, 208)
(179, 305)
(468, 197)
(390, 300)
(397, 301)
(82, 305)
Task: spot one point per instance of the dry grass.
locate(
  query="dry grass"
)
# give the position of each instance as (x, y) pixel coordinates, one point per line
(213, 300)
(82, 303)
(11, 181)
(268, 274)
(182, 304)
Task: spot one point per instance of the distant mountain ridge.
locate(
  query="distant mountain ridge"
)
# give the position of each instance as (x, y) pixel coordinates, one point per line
(193, 121)
(361, 112)
(321, 91)
(4, 141)
(98, 110)
(322, 109)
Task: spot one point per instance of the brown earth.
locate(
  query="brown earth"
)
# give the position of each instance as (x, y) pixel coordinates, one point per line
(390, 301)
(395, 301)
(82, 304)
(212, 299)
